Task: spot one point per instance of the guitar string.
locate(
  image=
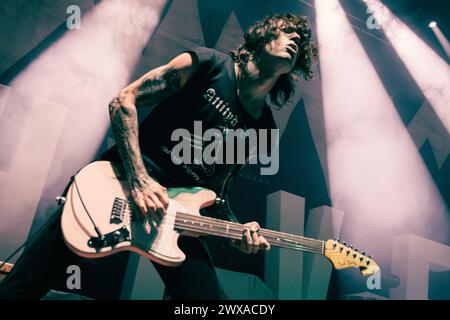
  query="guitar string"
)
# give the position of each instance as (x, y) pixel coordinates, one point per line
(301, 248)
(236, 229)
(237, 236)
(235, 233)
(314, 245)
(240, 226)
(309, 244)
(266, 232)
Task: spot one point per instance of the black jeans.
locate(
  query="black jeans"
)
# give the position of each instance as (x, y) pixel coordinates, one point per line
(45, 260)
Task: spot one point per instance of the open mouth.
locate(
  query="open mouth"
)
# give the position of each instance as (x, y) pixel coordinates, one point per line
(292, 48)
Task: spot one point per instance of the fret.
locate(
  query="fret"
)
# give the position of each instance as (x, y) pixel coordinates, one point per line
(234, 230)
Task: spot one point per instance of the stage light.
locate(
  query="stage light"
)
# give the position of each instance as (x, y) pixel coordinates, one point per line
(428, 69)
(88, 66)
(64, 94)
(432, 24)
(375, 174)
(442, 40)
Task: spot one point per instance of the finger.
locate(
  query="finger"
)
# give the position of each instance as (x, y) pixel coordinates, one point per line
(248, 243)
(155, 217)
(151, 208)
(149, 204)
(252, 225)
(143, 208)
(158, 205)
(255, 246)
(163, 197)
(255, 238)
(139, 201)
(264, 244)
(248, 237)
(255, 226)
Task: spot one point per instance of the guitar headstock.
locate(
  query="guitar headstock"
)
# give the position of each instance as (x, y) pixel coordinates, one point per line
(343, 256)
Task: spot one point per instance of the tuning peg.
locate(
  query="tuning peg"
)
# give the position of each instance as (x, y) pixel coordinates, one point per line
(337, 239)
(370, 257)
(344, 243)
(363, 253)
(350, 246)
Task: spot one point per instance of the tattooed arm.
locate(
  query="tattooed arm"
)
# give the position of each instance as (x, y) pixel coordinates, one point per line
(151, 88)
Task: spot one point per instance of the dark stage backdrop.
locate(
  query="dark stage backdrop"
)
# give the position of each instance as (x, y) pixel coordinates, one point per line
(45, 138)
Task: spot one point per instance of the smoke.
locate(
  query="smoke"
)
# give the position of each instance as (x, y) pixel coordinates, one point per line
(376, 174)
(56, 113)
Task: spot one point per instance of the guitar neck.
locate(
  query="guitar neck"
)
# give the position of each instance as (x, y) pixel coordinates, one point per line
(233, 230)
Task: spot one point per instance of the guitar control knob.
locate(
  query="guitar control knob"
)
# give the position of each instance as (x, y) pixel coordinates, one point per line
(60, 200)
(220, 201)
(117, 235)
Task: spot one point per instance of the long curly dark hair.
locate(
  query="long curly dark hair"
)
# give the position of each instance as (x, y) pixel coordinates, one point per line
(262, 32)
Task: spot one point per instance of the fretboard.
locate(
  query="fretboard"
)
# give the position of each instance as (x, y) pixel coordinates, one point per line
(233, 230)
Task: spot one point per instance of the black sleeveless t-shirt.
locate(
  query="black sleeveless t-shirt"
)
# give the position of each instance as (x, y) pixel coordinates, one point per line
(210, 97)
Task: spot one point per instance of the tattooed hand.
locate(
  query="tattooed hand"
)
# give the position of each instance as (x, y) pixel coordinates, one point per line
(149, 195)
(151, 88)
(251, 241)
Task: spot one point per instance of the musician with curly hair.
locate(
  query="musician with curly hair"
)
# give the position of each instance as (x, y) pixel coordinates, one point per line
(222, 91)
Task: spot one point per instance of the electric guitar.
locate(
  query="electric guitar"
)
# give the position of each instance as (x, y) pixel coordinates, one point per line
(99, 219)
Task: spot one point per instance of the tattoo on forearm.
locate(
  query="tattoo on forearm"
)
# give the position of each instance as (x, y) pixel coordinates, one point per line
(124, 124)
(156, 86)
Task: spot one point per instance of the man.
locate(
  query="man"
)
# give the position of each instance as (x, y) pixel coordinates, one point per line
(222, 92)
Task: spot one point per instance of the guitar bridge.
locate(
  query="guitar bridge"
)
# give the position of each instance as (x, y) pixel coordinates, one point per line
(120, 208)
